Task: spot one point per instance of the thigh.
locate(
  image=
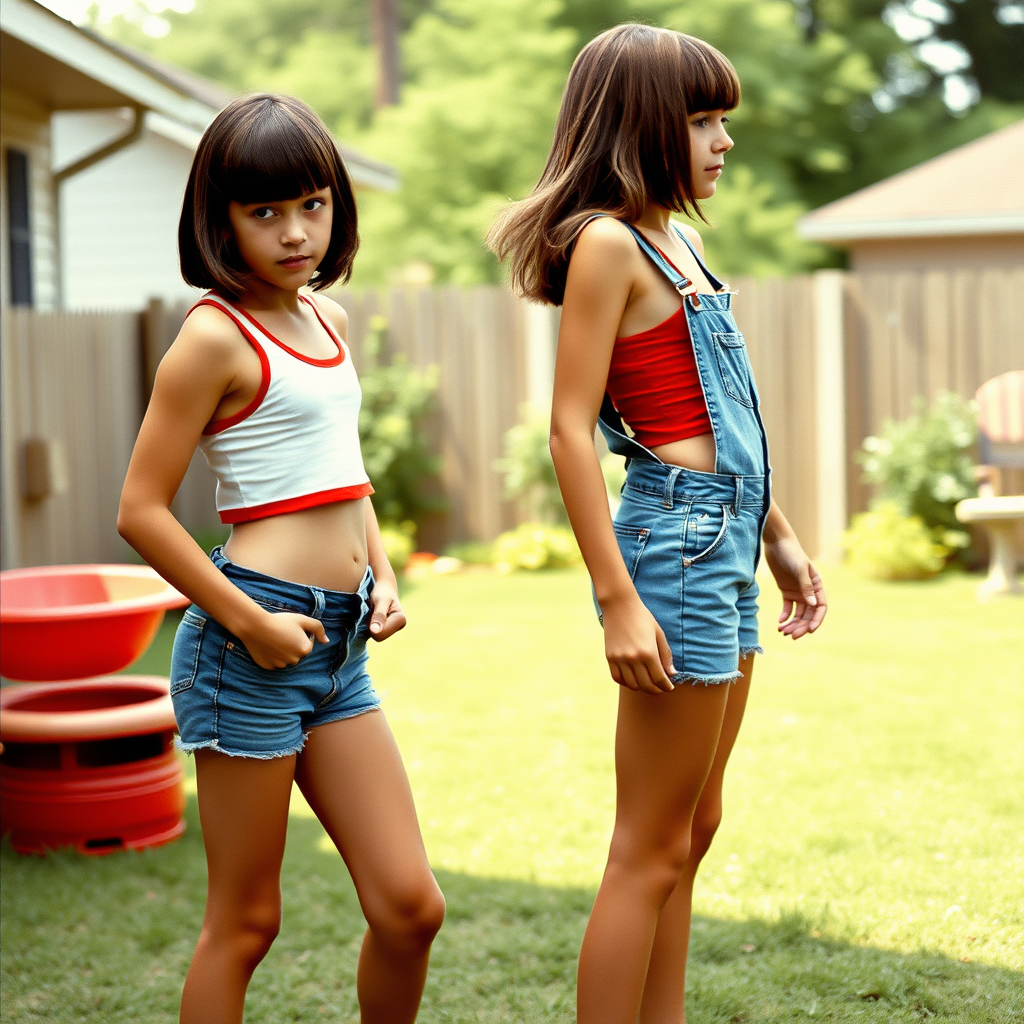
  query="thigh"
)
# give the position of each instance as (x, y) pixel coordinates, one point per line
(665, 745)
(243, 809)
(711, 796)
(352, 776)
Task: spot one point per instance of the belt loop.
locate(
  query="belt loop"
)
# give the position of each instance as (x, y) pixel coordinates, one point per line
(738, 498)
(668, 496)
(318, 602)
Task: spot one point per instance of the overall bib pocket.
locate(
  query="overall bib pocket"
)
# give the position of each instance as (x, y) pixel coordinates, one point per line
(733, 367)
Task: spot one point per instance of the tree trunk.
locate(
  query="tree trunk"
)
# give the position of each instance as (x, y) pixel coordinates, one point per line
(385, 26)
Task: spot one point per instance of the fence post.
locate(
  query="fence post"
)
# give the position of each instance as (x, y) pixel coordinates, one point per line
(830, 411)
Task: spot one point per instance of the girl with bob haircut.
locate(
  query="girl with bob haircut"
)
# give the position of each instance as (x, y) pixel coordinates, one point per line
(647, 336)
(268, 671)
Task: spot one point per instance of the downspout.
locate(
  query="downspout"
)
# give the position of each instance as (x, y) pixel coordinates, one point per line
(131, 136)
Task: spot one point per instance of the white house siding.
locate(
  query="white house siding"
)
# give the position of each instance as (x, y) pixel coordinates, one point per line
(119, 218)
(26, 126)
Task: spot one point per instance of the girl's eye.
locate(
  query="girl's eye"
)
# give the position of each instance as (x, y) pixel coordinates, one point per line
(263, 213)
(313, 204)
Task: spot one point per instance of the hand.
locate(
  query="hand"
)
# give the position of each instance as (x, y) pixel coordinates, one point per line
(388, 617)
(803, 597)
(635, 646)
(282, 639)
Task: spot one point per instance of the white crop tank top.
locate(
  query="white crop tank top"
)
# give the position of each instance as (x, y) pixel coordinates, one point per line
(296, 444)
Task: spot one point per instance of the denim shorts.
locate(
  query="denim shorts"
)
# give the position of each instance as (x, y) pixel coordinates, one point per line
(691, 543)
(224, 701)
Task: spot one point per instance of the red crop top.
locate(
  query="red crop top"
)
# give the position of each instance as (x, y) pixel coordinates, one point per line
(655, 386)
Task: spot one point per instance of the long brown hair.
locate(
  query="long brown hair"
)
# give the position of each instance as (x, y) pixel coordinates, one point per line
(621, 141)
(261, 149)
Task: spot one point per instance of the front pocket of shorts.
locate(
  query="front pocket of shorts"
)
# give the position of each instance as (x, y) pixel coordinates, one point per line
(733, 367)
(632, 541)
(706, 527)
(188, 642)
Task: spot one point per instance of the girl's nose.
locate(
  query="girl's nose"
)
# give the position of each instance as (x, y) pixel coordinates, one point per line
(292, 232)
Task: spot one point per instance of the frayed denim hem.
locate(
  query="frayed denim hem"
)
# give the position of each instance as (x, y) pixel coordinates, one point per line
(257, 755)
(745, 652)
(345, 715)
(686, 677)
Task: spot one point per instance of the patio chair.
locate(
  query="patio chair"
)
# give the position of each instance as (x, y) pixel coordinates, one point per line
(1000, 446)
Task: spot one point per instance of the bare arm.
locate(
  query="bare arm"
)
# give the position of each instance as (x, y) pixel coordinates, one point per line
(597, 290)
(198, 371)
(388, 617)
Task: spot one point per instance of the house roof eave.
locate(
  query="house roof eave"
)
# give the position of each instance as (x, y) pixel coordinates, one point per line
(921, 227)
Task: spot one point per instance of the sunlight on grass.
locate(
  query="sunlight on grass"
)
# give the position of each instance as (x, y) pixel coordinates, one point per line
(869, 867)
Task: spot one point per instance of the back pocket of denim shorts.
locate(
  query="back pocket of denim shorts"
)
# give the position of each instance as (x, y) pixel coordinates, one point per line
(188, 642)
(731, 354)
(706, 526)
(632, 541)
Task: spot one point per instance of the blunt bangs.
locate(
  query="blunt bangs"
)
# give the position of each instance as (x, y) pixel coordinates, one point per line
(711, 82)
(272, 158)
(261, 149)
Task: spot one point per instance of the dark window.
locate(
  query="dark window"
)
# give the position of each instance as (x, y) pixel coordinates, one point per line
(19, 230)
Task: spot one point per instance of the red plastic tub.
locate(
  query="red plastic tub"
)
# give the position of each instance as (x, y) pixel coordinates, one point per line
(74, 621)
(90, 764)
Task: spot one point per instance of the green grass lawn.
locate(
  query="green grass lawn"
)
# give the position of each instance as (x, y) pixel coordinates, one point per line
(870, 866)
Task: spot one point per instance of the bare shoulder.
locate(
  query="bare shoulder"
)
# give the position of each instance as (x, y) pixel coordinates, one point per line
(208, 350)
(605, 238)
(692, 235)
(334, 312)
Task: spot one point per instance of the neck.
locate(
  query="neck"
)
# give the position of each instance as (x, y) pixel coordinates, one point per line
(654, 218)
(268, 297)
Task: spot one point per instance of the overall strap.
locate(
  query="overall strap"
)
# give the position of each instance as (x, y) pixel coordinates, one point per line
(608, 419)
(712, 280)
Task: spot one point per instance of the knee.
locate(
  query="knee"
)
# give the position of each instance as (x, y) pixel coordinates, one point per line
(702, 832)
(657, 864)
(408, 919)
(249, 932)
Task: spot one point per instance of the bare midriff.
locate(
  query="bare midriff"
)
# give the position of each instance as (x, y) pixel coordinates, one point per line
(324, 546)
(691, 453)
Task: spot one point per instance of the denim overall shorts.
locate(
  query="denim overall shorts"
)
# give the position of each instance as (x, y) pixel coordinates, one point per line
(224, 701)
(691, 541)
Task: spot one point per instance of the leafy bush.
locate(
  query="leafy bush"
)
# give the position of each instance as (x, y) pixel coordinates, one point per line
(886, 544)
(924, 464)
(471, 552)
(396, 397)
(528, 469)
(399, 542)
(536, 546)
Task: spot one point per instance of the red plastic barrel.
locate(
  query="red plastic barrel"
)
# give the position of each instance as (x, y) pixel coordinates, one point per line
(73, 621)
(90, 764)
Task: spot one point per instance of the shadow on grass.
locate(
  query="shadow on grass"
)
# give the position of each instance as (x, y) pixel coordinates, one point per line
(109, 940)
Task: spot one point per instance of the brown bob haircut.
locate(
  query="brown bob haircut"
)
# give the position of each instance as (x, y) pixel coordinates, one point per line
(621, 141)
(261, 149)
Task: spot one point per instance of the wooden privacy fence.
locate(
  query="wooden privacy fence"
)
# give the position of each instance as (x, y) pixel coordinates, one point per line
(835, 354)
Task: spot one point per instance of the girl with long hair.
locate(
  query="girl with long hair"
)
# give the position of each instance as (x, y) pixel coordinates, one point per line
(268, 672)
(647, 337)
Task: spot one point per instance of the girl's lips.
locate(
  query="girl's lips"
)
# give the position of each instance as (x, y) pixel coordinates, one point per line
(293, 261)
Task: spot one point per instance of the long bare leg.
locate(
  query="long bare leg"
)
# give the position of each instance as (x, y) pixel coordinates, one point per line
(352, 776)
(664, 748)
(243, 808)
(663, 1000)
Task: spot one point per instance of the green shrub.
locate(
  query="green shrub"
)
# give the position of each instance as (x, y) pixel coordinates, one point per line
(472, 552)
(886, 544)
(923, 464)
(399, 543)
(528, 469)
(396, 397)
(536, 546)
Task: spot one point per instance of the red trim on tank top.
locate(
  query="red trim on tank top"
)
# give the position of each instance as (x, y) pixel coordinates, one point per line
(229, 516)
(216, 426)
(333, 361)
